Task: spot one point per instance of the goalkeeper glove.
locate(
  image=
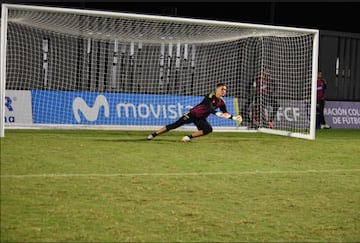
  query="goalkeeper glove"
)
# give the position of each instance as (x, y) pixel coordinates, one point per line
(237, 118)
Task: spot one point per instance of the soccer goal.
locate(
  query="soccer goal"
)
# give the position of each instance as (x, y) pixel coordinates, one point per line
(71, 68)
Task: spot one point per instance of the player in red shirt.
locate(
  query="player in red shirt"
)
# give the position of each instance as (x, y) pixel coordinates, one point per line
(264, 94)
(199, 113)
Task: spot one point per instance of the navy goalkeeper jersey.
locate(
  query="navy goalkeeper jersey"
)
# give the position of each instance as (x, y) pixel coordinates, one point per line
(208, 105)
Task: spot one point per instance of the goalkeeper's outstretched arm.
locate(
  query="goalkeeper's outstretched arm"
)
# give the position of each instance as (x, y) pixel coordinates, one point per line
(227, 115)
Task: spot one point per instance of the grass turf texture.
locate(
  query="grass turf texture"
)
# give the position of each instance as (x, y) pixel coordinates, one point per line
(86, 186)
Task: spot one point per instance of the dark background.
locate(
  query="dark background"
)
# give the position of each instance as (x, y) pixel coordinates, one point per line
(334, 16)
(338, 23)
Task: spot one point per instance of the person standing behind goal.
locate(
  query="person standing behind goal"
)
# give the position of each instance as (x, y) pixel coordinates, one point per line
(199, 113)
(265, 89)
(320, 100)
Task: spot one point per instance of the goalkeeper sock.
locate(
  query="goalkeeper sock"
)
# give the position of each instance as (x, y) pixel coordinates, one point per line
(154, 134)
(190, 136)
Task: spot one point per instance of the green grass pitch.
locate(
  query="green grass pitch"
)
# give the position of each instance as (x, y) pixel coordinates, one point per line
(114, 186)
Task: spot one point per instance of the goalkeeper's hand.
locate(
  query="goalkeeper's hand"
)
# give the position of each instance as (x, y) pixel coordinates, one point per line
(237, 118)
(226, 115)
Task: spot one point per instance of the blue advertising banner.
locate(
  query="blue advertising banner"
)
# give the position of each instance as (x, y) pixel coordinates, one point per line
(71, 107)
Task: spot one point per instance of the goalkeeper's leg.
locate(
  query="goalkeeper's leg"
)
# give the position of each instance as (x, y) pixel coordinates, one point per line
(181, 121)
(203, 128)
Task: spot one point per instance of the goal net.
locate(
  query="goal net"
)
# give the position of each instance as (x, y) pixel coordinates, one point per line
(93, 69)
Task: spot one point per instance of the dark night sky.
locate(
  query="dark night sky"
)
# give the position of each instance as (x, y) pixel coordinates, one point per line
(335, 16)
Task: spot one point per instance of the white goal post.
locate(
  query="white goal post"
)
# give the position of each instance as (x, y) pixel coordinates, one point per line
(75, 69)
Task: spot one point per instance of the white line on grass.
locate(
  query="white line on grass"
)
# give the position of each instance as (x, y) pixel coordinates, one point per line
(186, 173)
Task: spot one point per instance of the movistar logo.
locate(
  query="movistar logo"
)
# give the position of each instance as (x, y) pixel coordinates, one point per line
(8, 102)
(90, 113)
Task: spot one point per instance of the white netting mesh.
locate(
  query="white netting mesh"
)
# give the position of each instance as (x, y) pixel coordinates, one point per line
(149, 29)
(90, 68)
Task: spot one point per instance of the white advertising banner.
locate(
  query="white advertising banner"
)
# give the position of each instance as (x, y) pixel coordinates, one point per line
(342, 114)
(18, 109)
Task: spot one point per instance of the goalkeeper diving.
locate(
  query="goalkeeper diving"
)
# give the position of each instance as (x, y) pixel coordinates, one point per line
(211, 103)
